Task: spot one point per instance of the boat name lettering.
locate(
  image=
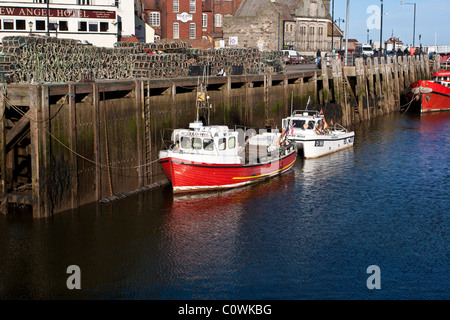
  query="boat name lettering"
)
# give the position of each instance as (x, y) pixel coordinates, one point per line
(199, 134)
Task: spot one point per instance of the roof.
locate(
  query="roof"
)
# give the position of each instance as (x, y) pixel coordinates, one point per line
(128, 39)
(337, 31)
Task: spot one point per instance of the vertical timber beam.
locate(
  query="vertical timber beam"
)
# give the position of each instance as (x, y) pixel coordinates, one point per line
(35, 108)
(73, 146)
(3, 181)
(96, 117)
(139, 100)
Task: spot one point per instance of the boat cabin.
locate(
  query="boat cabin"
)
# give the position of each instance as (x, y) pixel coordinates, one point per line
(303, 120)
(210, 140)
(441, 76)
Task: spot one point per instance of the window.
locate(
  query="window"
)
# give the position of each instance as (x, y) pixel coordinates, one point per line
(185, 142)
(208, 144)
(192, 6)
(82, 26)
(176, 30)
(20, 24)
(39, 1)
(176, 5)
(311, 31)
(40, 25)
(93, 26)
(154, 18)
(192, 31)
(104, 26)
(197, 143)
(320, 31)
(63, 26)
(204, 20)
(218, 21)
(231, 143)
(8, 24)
(222, 144)
(84, 2)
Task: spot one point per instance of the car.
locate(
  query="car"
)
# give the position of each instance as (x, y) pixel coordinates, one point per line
(293, 57)
(363, 50)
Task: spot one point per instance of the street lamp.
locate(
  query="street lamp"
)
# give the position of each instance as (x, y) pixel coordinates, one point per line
(381, 30)
(30, 24)
(346, 32)
(414, 26)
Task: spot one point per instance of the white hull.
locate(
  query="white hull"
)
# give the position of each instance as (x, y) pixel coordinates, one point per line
(318, 146)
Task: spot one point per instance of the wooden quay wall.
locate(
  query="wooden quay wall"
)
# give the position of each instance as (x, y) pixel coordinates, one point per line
(63, 145)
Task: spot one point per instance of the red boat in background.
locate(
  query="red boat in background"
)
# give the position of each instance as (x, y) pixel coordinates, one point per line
(431, 95)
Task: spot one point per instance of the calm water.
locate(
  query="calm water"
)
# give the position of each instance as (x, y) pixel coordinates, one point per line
(310, 234)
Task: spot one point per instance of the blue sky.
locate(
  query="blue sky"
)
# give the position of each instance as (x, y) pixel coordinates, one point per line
(432, 16)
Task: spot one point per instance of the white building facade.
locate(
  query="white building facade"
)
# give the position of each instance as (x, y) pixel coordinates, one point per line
(99, 22)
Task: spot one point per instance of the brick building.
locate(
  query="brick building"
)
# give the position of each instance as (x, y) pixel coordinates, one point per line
(189, 20)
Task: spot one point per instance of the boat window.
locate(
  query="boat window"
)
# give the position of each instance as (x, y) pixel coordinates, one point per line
(208, 144)
(231, 143)
(186, 142)
(298, 123)
(311, 124)
(222, 144)
(197, 143)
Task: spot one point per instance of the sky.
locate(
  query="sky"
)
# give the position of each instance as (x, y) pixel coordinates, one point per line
(432, 20)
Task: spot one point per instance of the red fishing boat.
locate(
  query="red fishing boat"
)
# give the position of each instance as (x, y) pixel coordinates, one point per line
(431, 95)
(215, 157)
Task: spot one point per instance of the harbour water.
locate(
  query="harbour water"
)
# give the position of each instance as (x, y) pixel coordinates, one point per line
(309, 234)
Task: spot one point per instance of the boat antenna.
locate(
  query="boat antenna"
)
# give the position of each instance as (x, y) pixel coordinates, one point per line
(307, 104)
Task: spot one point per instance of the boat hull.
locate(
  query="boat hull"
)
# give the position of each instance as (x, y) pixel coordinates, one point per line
(189, 176)
(429, 96)
(316, 147)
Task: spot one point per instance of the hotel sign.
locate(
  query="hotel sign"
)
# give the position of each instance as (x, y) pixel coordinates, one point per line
(57, 13)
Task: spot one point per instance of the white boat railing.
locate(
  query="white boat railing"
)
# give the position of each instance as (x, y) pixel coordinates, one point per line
(303, 113)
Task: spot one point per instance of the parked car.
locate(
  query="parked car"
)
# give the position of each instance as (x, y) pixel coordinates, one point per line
(363, 50)
(293, 57)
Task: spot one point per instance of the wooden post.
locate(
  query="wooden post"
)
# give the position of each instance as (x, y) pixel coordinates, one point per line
(35, 114)
(97, 152)
(139, 99)
(73, 146)
(371, 93)
(3, 181)
(45, 149)
(148, 137)
(326, 87)
(401, 79)
(360, 86)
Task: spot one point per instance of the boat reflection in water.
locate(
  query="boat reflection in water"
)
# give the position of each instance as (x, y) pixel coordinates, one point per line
(209, 231)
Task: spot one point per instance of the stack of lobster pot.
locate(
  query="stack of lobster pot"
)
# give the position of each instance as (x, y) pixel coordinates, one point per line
(46, 59)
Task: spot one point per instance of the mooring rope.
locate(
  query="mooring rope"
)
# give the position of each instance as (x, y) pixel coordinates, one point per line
(67, 147)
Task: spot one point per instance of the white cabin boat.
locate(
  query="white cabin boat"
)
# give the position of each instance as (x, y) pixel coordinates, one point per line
(311, 133)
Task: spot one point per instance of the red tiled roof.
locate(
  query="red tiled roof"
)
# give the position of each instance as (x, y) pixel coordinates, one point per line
(128, 39)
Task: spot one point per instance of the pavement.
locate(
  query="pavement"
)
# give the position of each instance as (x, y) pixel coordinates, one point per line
(295, 68)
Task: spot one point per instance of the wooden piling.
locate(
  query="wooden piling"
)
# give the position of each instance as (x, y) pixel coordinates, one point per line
(96, 133)
(3, 174)
(73, 145)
